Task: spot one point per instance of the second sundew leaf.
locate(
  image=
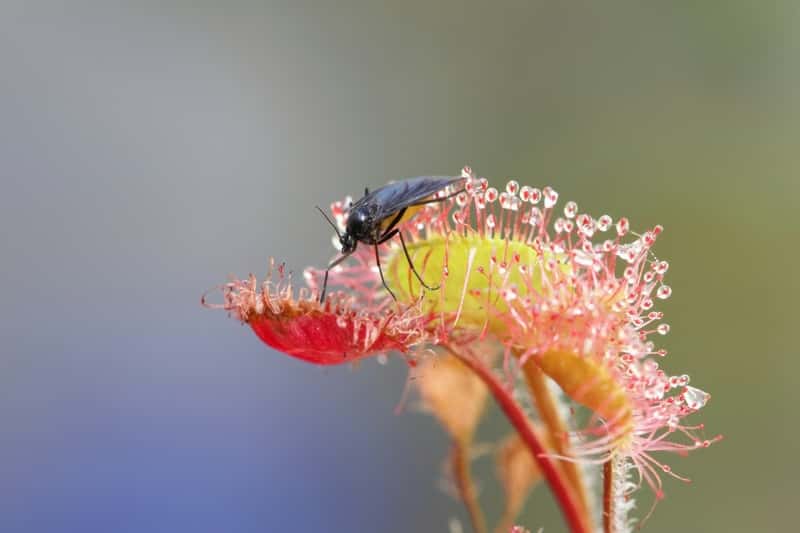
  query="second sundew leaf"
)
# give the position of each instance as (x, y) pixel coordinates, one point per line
(591, 383)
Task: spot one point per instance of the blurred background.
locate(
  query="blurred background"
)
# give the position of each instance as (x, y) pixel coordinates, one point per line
(149, 149)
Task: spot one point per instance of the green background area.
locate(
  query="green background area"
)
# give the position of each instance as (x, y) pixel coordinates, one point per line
(148, 149)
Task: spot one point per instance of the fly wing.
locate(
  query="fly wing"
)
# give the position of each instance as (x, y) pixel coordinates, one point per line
(393, 197)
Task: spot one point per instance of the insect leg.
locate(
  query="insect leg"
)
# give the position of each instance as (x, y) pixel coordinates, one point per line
(327, 270)
(392, 233)
(411, 264)
(380, 270)
(388, 235)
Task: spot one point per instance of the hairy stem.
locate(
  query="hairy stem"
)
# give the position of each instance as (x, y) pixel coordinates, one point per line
(559, 485)
(466, 488)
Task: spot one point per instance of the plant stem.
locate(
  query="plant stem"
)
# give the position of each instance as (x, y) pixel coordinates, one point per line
(548, 410)
(608, 496)
(562, 490)
(463, 478)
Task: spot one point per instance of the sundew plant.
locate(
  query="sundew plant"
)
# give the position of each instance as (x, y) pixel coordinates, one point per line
(548, 310)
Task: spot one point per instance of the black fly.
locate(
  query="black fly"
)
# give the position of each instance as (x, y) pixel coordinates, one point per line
(373, 219)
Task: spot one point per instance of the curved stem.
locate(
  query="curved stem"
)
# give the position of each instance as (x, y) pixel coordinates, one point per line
(562, 490)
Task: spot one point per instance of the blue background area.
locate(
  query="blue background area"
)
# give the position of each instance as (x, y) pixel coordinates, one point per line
(148, 149)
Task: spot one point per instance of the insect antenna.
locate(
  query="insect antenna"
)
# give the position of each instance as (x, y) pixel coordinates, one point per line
(335, 228)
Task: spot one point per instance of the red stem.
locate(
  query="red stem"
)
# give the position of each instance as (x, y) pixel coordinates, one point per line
(562, 490)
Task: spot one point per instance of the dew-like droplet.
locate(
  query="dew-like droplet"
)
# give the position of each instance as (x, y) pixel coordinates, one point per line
(509, 294)
(630, 275)
(663, 329)
(664, 292)
(512, 187)
(491, 195)
(661, 267)
(550, 197)
(695, 398)
(585, 224)
(629, 252)
(536, 196)
(623, 226)
(570, 209)
(650, 366)
(604, 222)
(525, 193)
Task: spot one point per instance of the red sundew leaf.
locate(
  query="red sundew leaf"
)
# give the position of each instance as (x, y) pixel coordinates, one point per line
(324, 334)
(327, 338)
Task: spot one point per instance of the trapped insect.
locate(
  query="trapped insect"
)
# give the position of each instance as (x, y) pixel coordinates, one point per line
(373, 219)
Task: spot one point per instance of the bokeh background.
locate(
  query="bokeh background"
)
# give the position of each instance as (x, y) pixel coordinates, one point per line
(149, 149)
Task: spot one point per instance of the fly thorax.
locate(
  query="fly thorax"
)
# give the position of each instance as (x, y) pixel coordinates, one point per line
(359, 225)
